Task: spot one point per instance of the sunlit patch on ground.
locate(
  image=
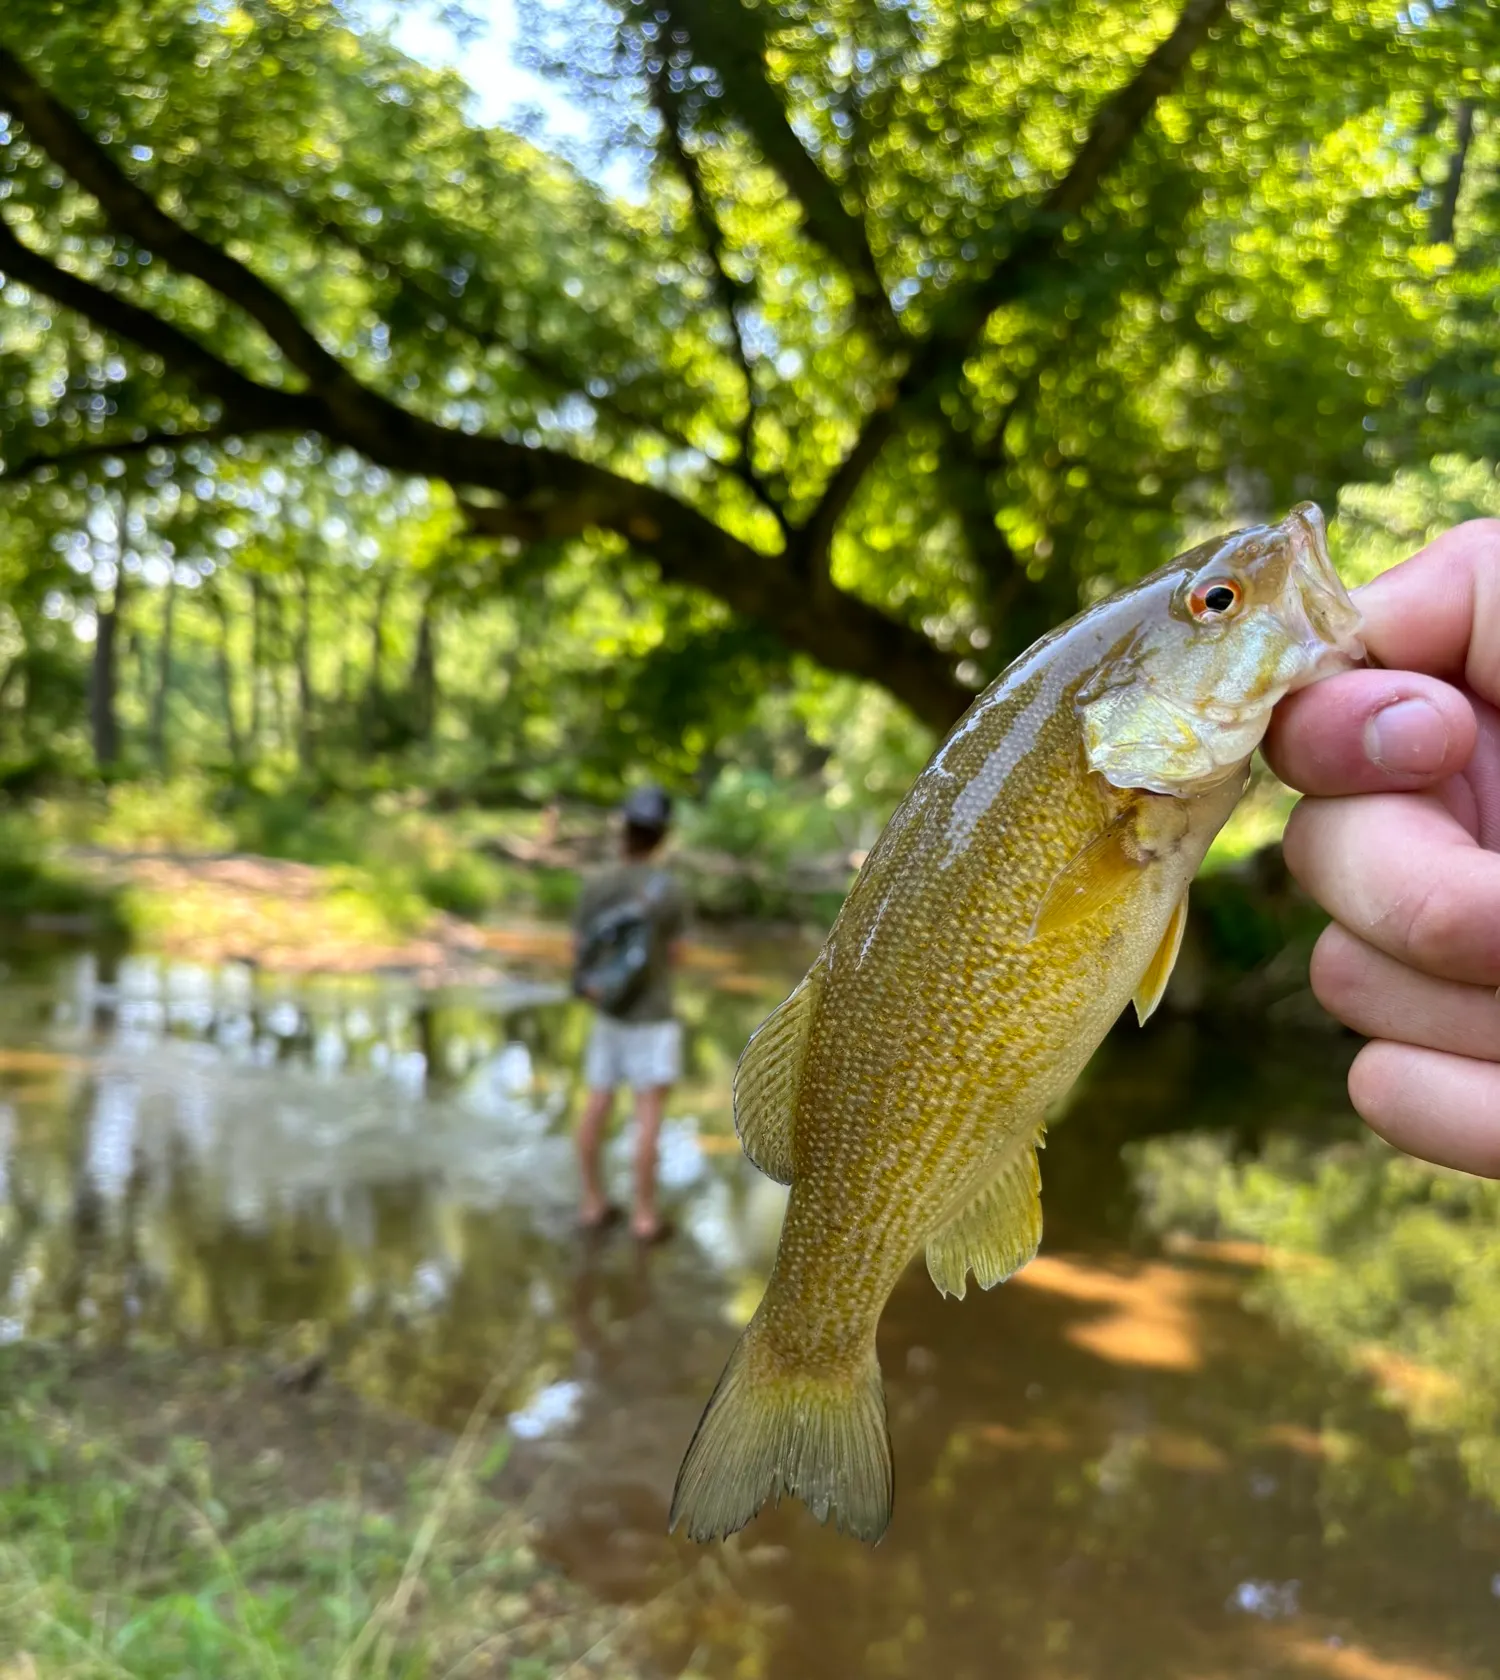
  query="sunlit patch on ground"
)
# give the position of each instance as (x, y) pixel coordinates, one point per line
(1105, 1468)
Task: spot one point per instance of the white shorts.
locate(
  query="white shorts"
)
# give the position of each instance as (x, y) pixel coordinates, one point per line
(640, 1054)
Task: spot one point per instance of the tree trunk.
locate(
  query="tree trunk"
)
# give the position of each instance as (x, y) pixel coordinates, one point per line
(226, 677)
(304, 672)
(423, 679)
(375, 690)
(103, 689)
(163, 679)
(278, 650)
(257, 621)
(133, 664)
(13, 677)
(1445, 212)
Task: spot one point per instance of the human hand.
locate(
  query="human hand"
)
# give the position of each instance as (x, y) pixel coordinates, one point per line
(1400, 843)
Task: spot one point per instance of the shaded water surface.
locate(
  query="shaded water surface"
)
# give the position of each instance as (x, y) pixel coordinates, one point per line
(1108, 1468)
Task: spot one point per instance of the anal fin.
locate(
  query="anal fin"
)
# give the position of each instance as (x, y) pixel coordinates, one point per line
(1159, 970)
(768, 1079)
(996, 1234)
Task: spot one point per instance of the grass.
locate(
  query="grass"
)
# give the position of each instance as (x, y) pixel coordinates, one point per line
(129, 1552)
(392, 864)
(388, 869)
(385, 868)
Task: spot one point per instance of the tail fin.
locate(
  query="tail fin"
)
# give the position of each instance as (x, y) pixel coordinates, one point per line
(764, 1434)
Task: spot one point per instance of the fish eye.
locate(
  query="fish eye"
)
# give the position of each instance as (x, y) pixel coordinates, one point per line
(1214, 600)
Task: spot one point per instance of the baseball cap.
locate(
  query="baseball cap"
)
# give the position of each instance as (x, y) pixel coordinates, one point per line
(648, 807)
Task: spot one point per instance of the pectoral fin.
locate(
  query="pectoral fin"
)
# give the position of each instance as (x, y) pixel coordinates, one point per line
(767, 1081)
(1148, 829)
(1091, 880)
(1159, 970)
(995, 1235)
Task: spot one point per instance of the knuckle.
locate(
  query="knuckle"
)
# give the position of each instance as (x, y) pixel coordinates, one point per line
(1442, 930)
(1424, 922)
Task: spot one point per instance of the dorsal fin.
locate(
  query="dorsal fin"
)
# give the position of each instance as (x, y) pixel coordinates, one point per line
(768, 1078)
(996, 1234)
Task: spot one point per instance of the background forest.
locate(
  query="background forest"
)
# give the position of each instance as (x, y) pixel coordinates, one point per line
(732, 431)
(407, 443)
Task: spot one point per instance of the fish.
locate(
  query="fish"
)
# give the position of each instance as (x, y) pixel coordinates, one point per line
(1032, 882)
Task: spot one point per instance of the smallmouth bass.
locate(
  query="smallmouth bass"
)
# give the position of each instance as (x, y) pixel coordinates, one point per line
(1033, 881)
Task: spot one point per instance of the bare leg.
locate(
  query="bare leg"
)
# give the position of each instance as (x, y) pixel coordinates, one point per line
(593, 1207)
(649, 1103)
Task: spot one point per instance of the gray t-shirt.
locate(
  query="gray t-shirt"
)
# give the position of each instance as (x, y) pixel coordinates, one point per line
(666, 909)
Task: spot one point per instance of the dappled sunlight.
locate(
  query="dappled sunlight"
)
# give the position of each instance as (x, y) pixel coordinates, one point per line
(1043, 1437)
(1388, 1265)
(26, 1064)
(368, 1186)
(1175, 1449)
(398, 471)
(1423, 1391)
(1297, 1438)
(1149, 1317)
(1333, 1659)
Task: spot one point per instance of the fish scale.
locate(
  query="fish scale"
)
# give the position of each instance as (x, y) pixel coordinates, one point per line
(1032, 881)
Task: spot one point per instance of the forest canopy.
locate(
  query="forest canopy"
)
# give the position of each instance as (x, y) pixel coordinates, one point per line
(333, 419)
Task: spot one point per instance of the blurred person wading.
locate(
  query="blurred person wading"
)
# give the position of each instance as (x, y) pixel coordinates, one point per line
(630, 920)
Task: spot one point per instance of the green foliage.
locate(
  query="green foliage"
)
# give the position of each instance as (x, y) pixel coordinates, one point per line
(1379, 525)
(116, 1567)
(747, 813)
(1277, 286)
(1385, 1264)
(777, 225)
(159, 816)
(34, 884)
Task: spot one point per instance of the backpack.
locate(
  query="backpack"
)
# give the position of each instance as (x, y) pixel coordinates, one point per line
(614, 947)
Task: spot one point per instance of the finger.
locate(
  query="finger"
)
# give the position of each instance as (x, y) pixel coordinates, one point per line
(1400, 872)
(1371, 732)
(1439, 612)
(1383, 998)
(1435, 1106)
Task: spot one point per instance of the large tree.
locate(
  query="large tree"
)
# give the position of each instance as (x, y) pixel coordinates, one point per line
(922, 320)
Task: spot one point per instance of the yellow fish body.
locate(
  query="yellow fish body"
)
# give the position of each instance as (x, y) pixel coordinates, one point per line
(1033, 880)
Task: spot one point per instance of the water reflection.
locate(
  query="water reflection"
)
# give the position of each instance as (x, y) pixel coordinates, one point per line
(1107, 1469)
(214, 1156)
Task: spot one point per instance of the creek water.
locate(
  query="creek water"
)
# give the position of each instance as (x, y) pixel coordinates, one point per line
(1109, 1468)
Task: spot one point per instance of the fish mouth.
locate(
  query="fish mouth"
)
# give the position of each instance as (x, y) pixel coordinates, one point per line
(1317, 610)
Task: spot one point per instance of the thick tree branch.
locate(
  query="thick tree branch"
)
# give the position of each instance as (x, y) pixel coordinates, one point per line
(721, 35)
(837, 628)
(1445, 212)
(731, 293)
(359, 415)
(247, 405)
(29, 465)
(548, 491)
(134, 212)
(942, 354)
